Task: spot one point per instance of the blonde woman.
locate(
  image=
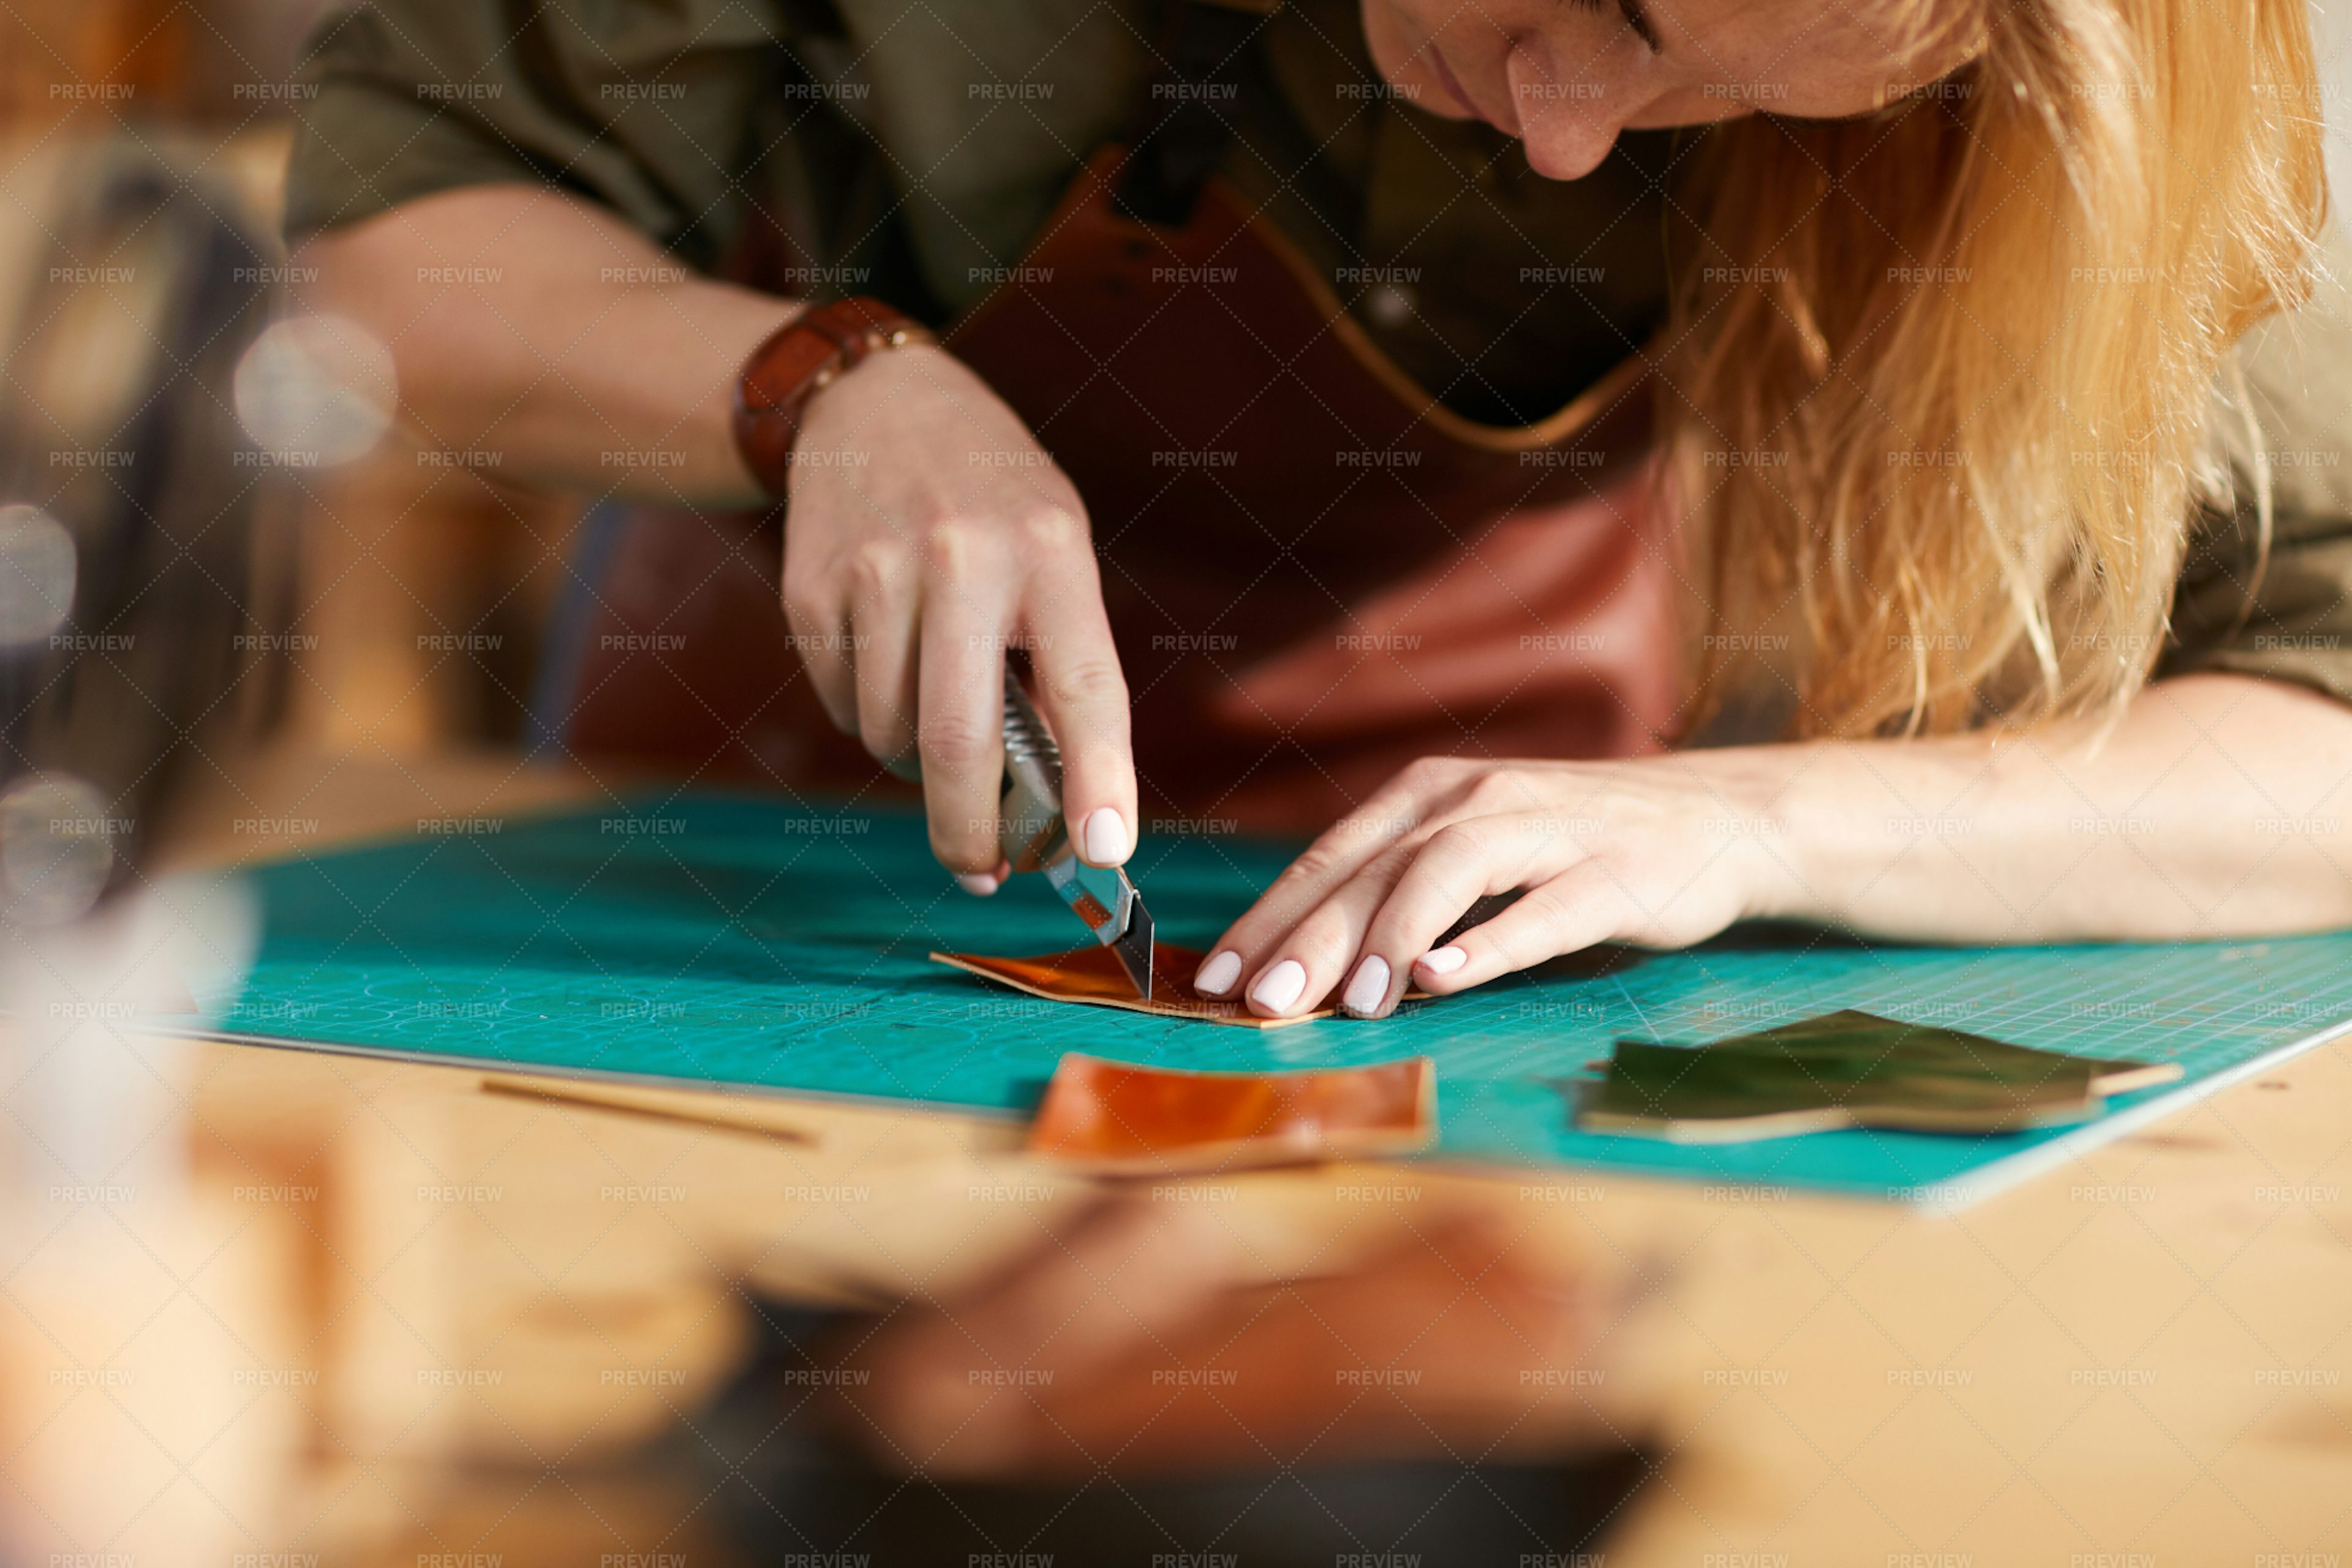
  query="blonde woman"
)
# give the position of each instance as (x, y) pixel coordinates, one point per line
(1679, 459)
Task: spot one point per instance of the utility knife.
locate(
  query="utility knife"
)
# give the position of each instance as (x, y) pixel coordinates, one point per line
(1035, 839)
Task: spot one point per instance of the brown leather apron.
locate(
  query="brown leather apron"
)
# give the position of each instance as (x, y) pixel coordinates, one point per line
(1315, 572)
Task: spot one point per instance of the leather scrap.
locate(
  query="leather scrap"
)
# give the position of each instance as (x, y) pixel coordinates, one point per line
(1125, 1119)
(1849, 1069)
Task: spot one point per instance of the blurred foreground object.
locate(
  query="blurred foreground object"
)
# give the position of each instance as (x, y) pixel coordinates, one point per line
(127, 497)
(1138, 1340)
(126, 508)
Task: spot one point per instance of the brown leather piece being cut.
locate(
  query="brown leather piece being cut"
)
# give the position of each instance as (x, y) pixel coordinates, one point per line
(1117, 1118)
(1092, 974)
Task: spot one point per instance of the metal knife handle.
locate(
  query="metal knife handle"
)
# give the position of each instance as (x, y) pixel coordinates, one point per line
(1030, 828)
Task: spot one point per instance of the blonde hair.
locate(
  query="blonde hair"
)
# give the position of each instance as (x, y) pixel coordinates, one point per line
(1937, 379)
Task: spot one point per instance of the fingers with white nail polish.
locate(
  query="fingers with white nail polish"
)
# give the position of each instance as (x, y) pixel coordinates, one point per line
(1104, 840)
(1353, 863)
(1323, 947)
(1567, 914)
(1217, 976)
(1279, 988)
(1368, 990)
(980, 884)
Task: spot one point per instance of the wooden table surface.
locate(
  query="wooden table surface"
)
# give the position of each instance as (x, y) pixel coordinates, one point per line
(426, 1293)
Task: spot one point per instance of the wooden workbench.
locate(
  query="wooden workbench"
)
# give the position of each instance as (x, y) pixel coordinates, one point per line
(422, 1293)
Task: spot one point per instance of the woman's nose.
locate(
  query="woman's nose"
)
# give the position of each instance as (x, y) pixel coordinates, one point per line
(1570, 109)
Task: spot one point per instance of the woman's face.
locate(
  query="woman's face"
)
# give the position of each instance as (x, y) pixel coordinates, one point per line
(1566, 76)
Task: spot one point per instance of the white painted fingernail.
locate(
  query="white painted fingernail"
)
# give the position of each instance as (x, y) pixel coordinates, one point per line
(1444, 960)
(1280, 986)
(1217, 975)
(1106, 837)
(979, 884)
(1370, 988)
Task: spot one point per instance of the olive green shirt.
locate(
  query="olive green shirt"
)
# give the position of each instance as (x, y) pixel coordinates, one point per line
(913, 148)
(2281, 607)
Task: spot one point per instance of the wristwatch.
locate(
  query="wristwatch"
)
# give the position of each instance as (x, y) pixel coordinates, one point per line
(803, 357)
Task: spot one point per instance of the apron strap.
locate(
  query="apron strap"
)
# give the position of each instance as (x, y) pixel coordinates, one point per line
(1189, 117)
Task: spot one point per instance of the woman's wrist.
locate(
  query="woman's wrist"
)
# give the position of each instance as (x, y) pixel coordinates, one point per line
(1951, 838)
(795, 363)
(1827, 832)
(1783, 813)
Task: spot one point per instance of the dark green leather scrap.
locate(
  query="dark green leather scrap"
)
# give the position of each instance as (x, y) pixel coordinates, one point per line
(1850, 1069)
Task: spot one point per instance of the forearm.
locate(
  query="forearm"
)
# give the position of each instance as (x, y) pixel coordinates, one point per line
(2215, 808)
(541, 329)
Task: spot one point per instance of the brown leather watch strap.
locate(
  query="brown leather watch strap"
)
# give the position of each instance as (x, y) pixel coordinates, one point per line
(803, 357)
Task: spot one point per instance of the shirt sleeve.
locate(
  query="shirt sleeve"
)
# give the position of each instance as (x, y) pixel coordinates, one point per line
(2280, 607)
(647, 106)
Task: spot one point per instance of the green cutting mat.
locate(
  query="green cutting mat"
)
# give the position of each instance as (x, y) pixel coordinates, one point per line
(745, 941)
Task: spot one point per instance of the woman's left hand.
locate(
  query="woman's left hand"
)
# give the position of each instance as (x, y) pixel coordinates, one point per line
(1659, 852)
(2212, 808)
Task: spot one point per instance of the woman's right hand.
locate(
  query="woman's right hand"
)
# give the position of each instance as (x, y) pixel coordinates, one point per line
(929, 533)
